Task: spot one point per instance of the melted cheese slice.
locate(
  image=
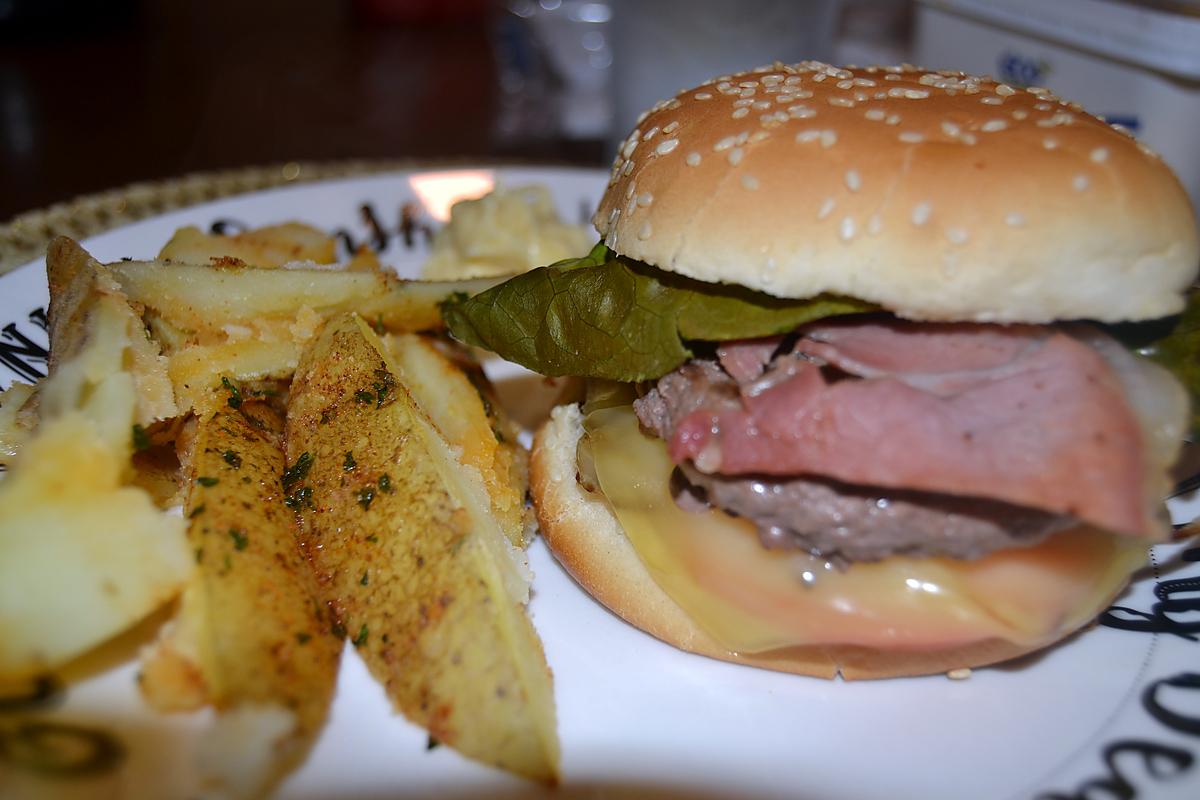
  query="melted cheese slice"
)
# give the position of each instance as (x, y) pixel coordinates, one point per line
(753, 600)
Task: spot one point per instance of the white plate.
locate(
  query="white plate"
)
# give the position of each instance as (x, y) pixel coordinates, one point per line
(1113, 712)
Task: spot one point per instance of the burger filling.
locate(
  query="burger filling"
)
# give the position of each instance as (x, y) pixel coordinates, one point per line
(865, 438)
(841, 431)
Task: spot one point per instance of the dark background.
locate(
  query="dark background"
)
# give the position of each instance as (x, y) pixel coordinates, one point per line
(95, 95)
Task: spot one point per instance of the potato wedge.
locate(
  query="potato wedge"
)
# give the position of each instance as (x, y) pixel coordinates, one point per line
(251, 638)
(97, 340)
(269, 246)
(423, 579)
(456, 399)
(199, 298)
(81, 557)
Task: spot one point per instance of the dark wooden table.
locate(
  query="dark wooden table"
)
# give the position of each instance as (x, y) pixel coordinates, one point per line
(165, 87)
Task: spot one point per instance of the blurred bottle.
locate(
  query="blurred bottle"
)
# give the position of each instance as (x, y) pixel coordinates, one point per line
(553, 63)
(660, 47)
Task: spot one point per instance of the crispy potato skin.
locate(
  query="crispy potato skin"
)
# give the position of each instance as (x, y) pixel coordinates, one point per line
(422, 577)
(252, 632)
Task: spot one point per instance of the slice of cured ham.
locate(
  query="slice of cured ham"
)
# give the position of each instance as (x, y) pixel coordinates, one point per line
(1029, 415)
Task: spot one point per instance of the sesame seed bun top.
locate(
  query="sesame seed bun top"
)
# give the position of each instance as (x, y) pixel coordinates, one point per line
(938, 195)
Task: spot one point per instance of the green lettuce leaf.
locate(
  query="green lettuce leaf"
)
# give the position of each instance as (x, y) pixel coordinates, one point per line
(1179, 351)
(603, 316)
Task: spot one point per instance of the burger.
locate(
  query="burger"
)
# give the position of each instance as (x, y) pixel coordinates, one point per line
(865, 352)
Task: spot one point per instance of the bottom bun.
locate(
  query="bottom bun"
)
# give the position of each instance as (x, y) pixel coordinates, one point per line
(588, 540)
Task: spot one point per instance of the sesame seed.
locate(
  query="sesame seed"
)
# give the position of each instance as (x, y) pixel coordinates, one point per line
(921, 213)
(991, 100)
(801, 112)
(912, 137)
(645, 232)
(891, 77)
(916, 94)
(845, 84)
(956, 235)
(741, 112)
(749, 101)
(725, 144)
(1049, 143)
(1043, 106)
(1099, 155)
(875, 114)
(1019, 114)
(844, 102)
(1014, 220)
(880, 95)
(671, 127)
(649, 133)
(828, 139)
(693, 159)
(702, 96)
(861, 97)
(853, 180)
(892, 119)
(627, 169)
(993, 125)
(630, 145)
(746, 93)
(645, 199)
(666, 146)
(950, 129)
(629, 189)
(735, 156)
(967, 138)
(808, 136)
(826, 208)
(748, 84)
(1080, 182)
(749, 182)
(1004, 90)
(846, 229)
(612, 215)
(761, 105)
